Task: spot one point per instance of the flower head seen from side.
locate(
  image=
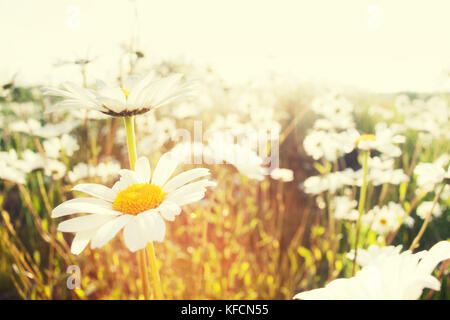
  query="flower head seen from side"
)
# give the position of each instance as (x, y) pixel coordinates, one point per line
(366, 142)
(137, 96)
(384, 140)
(386, 274)
(138, 203)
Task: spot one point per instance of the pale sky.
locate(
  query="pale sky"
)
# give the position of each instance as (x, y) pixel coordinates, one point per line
(374, 45)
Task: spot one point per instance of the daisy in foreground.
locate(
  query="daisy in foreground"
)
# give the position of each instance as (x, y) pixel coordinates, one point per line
(138, 95)
(386, 274)
(138, 203)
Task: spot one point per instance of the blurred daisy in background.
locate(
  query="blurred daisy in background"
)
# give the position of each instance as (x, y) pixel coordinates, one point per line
(429, 175)
(425, 207)
(384, 140)
(331, 182)
(382, 171)
(11, 174)
(281, 174)
(384, 219)
(33, 127)
(244, 158)
(345, 208)
(105, 171)
(65, 144)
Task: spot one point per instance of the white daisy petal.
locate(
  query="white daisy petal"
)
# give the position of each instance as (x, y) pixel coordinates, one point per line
(189, 198)
(169, 210)
(148, 217)
(127, 178)
(164, 169)
(184, 178)
(145, 229)
(154, 225)
(134, 240)
(109, 230)
(128, 175)
(195, 187)
(96, 190)
(84, 222)
(84, 205)
(81, 240)
(147, 95)
(142, 169)
(165, 87)
(160, 228)
(439, 252)
(133, 98)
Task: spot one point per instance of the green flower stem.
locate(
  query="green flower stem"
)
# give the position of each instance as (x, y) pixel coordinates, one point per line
(132, 155)
(332, 238)
(362, 200)
(43, 191)
(154, 271)
(131, 140)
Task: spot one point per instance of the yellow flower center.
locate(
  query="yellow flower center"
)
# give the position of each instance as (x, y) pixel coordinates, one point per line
(383, 221)
(365, 137)
(126, 92)
(138, 198)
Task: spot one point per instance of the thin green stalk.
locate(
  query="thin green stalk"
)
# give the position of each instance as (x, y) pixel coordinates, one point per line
(43, 191)
(142, 258)
(331, 237)
(416, 240)
(132, 155)
(362, 200)
(154, 271)
(131, 140)
(412, 206)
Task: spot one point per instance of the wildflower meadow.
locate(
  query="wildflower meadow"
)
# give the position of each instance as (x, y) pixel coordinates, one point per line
(164, 180)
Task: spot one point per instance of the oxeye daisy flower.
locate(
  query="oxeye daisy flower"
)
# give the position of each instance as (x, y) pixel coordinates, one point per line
(137, 96)
(366, 142)
(384, 140)
(138, 203)
(384, 219)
